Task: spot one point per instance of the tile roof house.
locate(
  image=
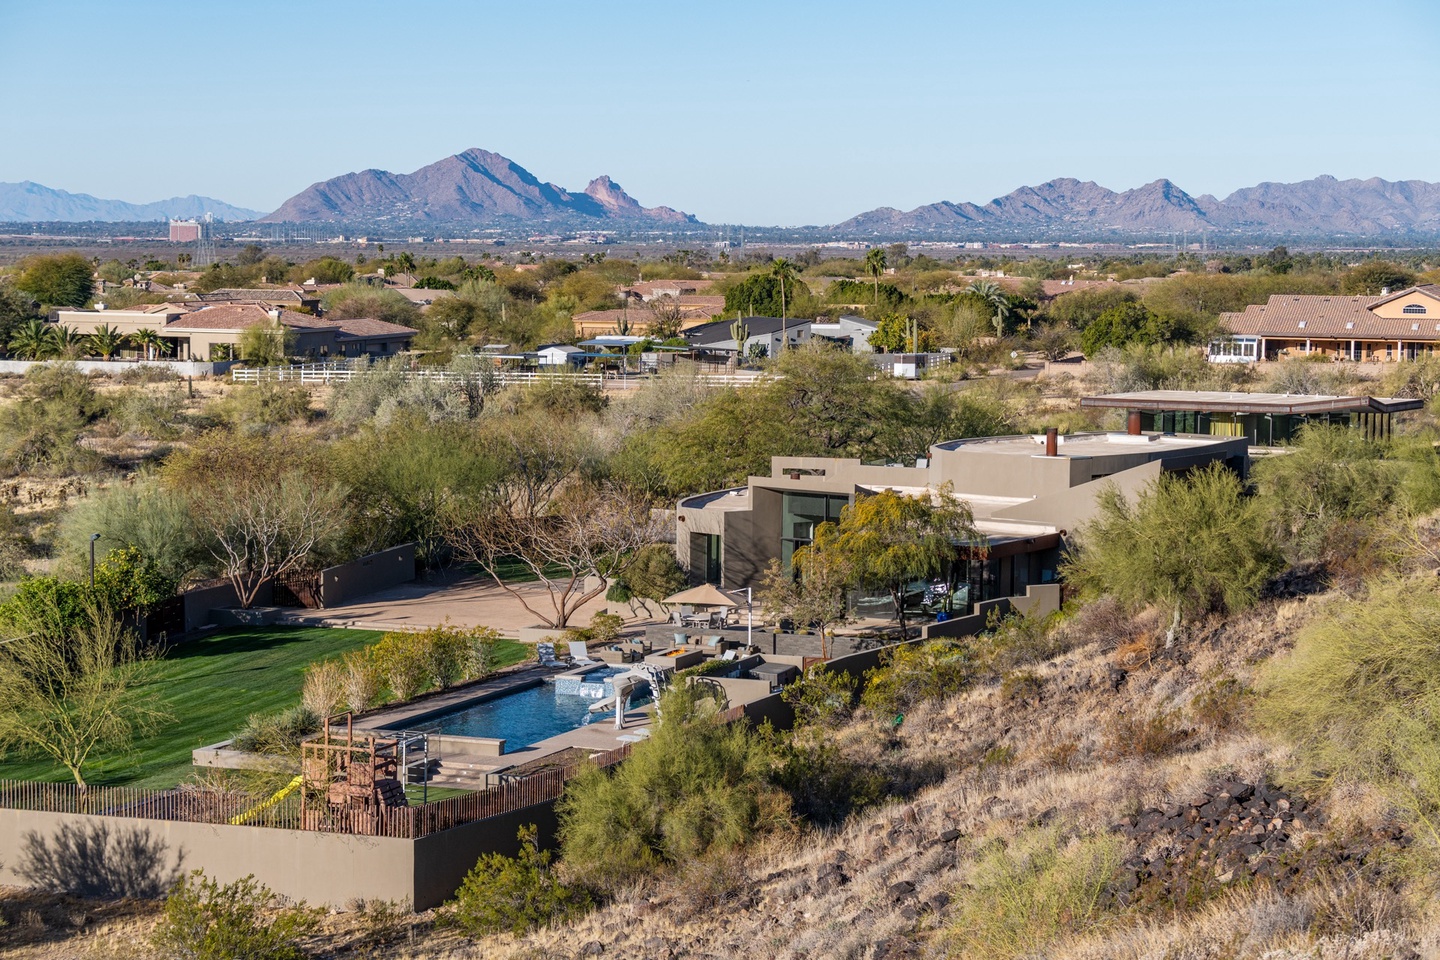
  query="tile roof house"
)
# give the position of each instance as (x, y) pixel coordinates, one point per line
(647, 290)
(1394, 326)
(694, 311)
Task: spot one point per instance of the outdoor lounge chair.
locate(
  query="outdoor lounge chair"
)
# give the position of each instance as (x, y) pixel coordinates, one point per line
(580, 654)
(730, 654)
(545, 652)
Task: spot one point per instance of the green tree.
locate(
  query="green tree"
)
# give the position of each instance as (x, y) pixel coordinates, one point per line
(266, 344)
(127, 581)
(759, 295)
(62, 280)
(1190, 543)
(815, 590)
(875, 267)
(993, 295)
(783, 271)
(64, 341)
(376, 303)
(889, 540)
(1122, 325)
(16, 308)
(1373, 276)
(149, 341)
(69, 689)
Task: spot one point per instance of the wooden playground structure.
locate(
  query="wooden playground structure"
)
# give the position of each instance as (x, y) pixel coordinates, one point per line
(351, 783)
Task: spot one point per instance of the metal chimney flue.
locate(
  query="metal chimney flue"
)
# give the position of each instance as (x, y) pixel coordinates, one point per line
(1052, 442)
(1132, 423)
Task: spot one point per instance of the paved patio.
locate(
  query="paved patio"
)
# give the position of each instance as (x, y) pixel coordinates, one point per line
(463, 598)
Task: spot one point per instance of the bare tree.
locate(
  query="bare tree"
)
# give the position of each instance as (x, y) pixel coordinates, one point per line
(665, 314)
(68, 689)
(266, 503)
(572, 547)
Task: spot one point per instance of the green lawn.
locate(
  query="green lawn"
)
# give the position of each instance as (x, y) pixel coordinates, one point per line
(210, 686)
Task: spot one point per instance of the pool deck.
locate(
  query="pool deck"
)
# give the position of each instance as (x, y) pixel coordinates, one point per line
(465, 769)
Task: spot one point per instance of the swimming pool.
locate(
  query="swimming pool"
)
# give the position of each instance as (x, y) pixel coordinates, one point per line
(528, 716)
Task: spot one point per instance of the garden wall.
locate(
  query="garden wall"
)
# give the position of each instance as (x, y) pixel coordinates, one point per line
(112, 857)
(369, 574)
(114, 368)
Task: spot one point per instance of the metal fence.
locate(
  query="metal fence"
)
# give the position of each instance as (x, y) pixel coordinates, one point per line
(199, 805)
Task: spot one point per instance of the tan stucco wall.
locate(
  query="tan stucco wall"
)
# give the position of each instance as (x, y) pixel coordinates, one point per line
(1395, 309)
(126, 321)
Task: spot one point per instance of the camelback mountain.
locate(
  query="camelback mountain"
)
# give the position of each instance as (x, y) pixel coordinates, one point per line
(477, 186)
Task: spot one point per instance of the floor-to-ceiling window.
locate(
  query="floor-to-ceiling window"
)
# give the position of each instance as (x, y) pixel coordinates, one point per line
(800, 514)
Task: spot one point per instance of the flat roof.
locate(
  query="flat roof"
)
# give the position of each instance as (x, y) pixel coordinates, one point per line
(1218, 401)
(1084, 444)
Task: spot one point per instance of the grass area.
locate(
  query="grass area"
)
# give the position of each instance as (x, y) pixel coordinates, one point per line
(210, 686)
(414, 793)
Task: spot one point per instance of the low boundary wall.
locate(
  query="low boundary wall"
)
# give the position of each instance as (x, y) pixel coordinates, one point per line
(115, 368)
(369, 574)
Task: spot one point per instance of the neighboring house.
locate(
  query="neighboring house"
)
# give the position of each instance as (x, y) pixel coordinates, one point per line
(851, 332)
(1027, 493)
(289, 298)
(694, 311)
(1394, 326)
(213, 332)
(716, 337)
(647, 290)
(559, 355)
(1263, 418)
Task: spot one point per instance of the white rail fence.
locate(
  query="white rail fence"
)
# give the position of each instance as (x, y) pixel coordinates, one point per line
(334, 372)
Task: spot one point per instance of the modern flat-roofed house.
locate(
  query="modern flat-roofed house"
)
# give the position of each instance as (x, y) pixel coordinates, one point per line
(851, 333)
(1395, 326)
(1027, 493)
(1262, 418)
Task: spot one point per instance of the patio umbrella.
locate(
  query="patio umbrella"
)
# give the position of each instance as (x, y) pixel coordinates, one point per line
(705, 595)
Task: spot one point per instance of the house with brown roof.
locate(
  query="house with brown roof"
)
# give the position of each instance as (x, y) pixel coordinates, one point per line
(639, 317)
(1391, 327)
(647, 290)
(213, 331)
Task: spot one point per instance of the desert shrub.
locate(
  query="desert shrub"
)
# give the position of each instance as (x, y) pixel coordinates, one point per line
(605, 627)
(1189, 544)
(265, 406)
(821, 696)
(150, 413)
(361, 680)
(697, 785)
(515, 893)
(244, 920)
(913, 672)
(1359, 697)
(145, 516)
(401, 659)
(1221, 704)
(40, 430)
(277, 733)
(15, 546)
(323, 689)
(127, 581)
(146, 374)
(1021, 685)
(1033, 891)
(482, 655)
(825, 785)
(1019, 640)
(1144, 737)
(48, 604)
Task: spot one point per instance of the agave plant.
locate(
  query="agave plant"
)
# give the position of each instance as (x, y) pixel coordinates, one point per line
(31, 340)
(106, 341)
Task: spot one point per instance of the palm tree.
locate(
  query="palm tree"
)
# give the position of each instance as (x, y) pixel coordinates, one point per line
(31, 341)
(782, 270)
(149, 341)
(106, 341)
(64, 341)
(875, 265)
(992, 294)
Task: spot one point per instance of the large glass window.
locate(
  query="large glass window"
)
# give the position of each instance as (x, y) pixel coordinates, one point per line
(800, 514)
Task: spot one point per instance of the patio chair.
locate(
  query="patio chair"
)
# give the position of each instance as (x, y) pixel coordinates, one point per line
(719, 618)
(580, 654)
(712, 641)
(545, 652)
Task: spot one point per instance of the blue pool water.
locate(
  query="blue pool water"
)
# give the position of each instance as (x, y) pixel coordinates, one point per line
(529, 716)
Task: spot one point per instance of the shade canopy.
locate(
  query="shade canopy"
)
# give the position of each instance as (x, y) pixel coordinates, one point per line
(705, 595)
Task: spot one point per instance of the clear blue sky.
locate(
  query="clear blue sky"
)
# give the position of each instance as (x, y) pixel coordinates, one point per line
(747, 112)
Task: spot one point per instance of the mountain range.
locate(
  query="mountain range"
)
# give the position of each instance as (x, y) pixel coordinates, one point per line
(1067, 207)
(35, 203)
(474, 186)
(478, 187)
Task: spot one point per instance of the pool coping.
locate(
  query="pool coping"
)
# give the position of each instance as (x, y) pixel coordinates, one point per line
(401, 716)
